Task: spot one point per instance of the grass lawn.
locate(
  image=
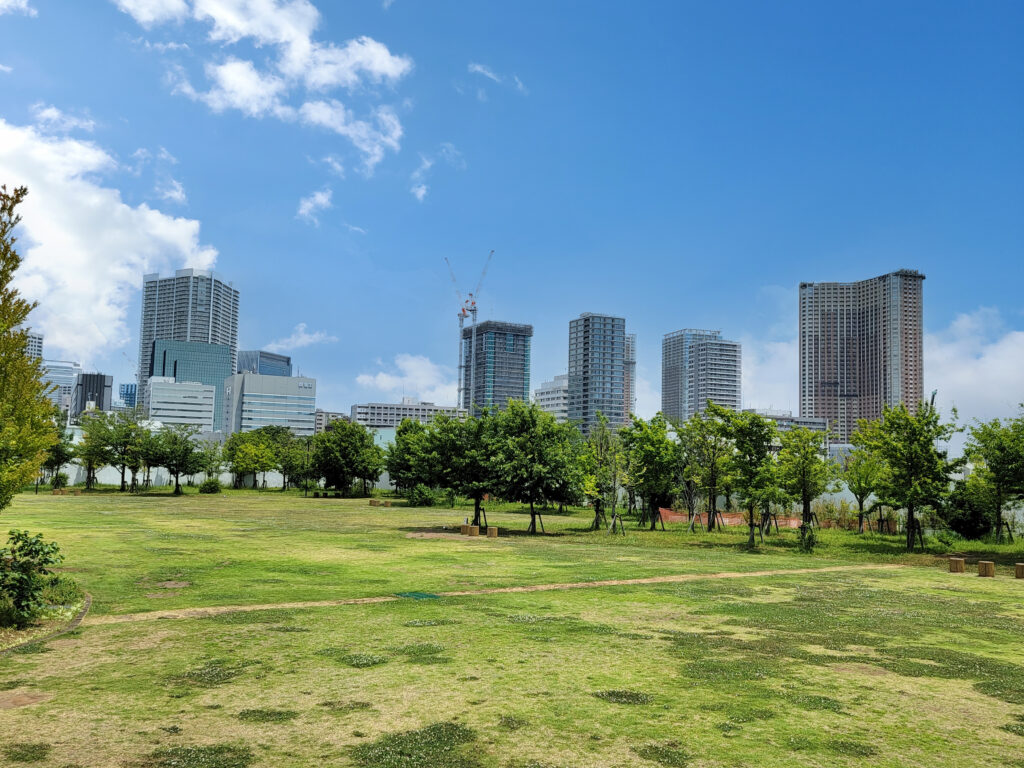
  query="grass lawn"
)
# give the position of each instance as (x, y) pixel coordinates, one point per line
(908, 666)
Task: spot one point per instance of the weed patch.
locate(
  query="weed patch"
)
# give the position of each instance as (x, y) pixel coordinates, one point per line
(24, 752)
(441, 745)
(10, 685)
(357, 660)
(216, 756)
(1015, 728)
(810, 701)
(850, 748)
(624, 697)
(288, 629)
(344, 707)
(212, 673)
(267, 715)
(671, 754)
(30, 648)
(269, 616)
(512, 723)
(429, 622)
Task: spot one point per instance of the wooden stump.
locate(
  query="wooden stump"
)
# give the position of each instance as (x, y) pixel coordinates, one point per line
(986, 568)
(316, 494)
(474, 530)
(55, 492)
(492, 533)
(956, 565)
(464, 529)
(1018, 570)
(77, 491)
(387, 503)
(374, 502)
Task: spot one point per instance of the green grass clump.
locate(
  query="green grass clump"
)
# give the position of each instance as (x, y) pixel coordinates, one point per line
(512, 723)
(270, 616)
(267, 715)
(1017, 728)
(671, 754)
(850, 748)
(10, 685)
(288, 629)
(619, 696)
(30, 648)
(211, 673)
(362, 660)
(344, 707)
(810, 701)
(215, 756)
(429, 622)
(441, 745)
(25, 752)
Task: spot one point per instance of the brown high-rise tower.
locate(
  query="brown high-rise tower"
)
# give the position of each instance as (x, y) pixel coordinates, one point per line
(860, 349)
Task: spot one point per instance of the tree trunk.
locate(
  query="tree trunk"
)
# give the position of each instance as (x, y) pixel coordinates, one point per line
(598, 516)
(860, 516)
(712, 505)
(123, 486)
(750, 538)
(911, 524)
(999, 519)
(177, 484)
(476, 509)
(653, 509)
(533, 519)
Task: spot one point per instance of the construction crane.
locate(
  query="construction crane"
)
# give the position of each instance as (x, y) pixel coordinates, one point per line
(467, 308)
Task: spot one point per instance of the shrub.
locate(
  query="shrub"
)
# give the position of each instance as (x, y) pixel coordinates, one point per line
(59, 480)
(210, 485)
(421, 496)
(60, 590)
(24, 564)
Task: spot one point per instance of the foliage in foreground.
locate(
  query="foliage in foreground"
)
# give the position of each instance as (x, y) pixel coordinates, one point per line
(24, 564)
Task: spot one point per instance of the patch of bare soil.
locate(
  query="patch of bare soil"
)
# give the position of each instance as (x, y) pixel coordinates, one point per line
(15, 700)
(453, 536)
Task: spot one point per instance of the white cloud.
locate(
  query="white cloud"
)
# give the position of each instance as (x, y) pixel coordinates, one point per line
(386, 4)
(5, 69)
(84, 248)
(172, 191)
(481, 69)
(238, 85)
(299, 338)
(335, 165)
(160, 46)
(372, 139)
(16, 6)
(151, 12)
(354, 228)
(418, 178)
(416, 376)
(976, 365)
(770, 374)
(648, 398)
(313, 203)
(52, 120)
(520, 86)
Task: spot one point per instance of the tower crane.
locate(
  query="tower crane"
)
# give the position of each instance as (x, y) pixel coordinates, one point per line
(467, 308)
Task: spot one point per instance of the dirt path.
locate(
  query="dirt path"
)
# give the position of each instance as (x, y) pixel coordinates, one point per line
(198, 613)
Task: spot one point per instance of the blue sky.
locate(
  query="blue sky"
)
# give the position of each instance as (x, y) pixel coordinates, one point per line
(680, 164)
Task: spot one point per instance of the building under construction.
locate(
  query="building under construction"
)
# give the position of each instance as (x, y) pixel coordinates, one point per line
(495, 365)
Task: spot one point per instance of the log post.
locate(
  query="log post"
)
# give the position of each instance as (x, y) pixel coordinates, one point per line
(1018, 570)
(464, 529)
(986, 568)
(956, 565)
(474, 530)
(492, 533)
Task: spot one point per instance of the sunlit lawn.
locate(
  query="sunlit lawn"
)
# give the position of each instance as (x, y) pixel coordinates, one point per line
(912, 666)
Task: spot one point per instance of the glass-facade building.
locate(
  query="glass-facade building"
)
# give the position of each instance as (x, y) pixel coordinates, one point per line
(496, 364)
(197, 362)
(253, 401)
(262, 362)
(127, 392)
(598, 370)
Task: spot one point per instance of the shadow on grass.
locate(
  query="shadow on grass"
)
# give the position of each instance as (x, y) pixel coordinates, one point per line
(504, 532)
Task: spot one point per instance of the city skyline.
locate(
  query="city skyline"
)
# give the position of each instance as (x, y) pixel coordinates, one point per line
(770, 180)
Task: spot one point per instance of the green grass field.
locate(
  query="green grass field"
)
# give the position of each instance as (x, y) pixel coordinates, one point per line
(873, 665)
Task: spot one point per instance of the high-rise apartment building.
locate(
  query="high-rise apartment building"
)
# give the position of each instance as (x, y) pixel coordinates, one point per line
(193, 305)
(496, 368)
(629, 390)
(93, 391)
(35, 342)
(322, 418)
(265, 363)
(553, 397)
(61, 374)
(698, 366)
(392, 414)
(196, 362)
(860, 348)
(253, 401)
(597, 370)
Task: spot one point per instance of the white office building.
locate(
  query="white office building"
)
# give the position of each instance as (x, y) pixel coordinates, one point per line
(62, 374)
(180, 402)
(698, 366)
(553, 397)
(378, 415)
(254, 400)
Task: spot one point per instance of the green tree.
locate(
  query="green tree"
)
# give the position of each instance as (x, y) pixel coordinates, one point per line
(122, 431)
(343, 453)
(751, 460)
(93, 452)
(654, 462)
(181, 455)
(457, 456)
(404, 461)
(862, 473)
(707, 435)
(600, 459)
(149, 454)
(253, 456)
(59, 454)
(531, 453)
(996, 449)
(917, 471)
(369, 464)
(805, 473)
(27, 429)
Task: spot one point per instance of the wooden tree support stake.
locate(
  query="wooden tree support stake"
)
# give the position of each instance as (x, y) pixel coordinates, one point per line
(986, 568)
(956, 565)
(1018, 570)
